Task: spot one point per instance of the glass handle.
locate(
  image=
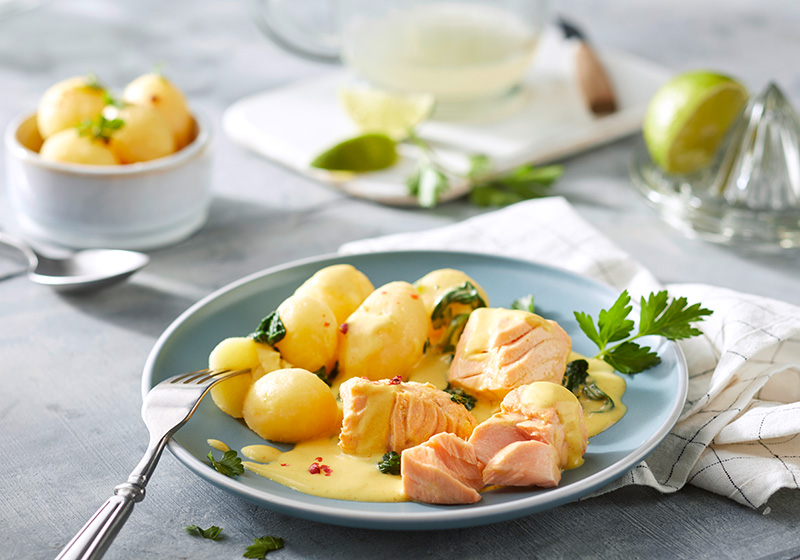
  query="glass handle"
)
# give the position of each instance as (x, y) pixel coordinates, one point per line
(318, 46)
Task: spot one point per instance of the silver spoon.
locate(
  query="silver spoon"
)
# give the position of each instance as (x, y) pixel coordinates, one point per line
(83, 270)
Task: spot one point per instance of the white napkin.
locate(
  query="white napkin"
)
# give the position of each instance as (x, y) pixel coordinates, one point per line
(739, 432)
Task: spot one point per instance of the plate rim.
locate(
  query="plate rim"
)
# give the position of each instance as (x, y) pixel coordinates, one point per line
(440, 517)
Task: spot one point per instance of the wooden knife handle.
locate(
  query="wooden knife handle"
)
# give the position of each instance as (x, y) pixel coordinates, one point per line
(594, 82)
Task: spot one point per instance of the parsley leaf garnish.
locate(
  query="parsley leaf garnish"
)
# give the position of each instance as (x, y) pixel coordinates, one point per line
(658, 316)
(461, 397)
(525, 303)
(390, 463)
(270, 330)
(323, 374)
(213, 533)
(230, 464)
(429, 181)
(523, 183)
(93, 81)
(100, 128)
(109, 99)
(465, 294)
(576, 379)
(263, 545)
(444, 314)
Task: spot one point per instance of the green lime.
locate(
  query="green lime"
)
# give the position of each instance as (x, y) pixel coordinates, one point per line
(393, 114)
(368, 152)
(688, 117)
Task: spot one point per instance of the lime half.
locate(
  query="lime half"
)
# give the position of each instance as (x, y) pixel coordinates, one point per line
(393, 114)
(688, 117)
(368, 152)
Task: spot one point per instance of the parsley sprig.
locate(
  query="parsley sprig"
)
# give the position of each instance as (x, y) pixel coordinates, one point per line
(213, 533)
(431, 179)
(270, 330)
(658, 316)
(390, 463)
(263, 545)
(100, 128)
(524, 303)
(577, 380)
(449, 312)
(461, 397)
(230, 464)
(94, 82)
(522, 183)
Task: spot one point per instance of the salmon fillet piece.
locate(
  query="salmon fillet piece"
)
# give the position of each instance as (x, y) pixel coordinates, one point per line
(555, 414)
(502, 429)
(442, 470)
(538, 459)
(493, 434)
(539, 431)
(389, 415)
(502, 349)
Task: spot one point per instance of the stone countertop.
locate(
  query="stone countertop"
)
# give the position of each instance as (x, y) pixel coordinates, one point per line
(71, 365)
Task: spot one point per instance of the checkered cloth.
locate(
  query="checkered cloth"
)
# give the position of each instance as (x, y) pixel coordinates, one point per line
(739, 431)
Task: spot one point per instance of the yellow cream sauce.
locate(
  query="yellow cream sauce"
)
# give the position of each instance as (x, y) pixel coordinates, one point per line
(320, 468)
(218, 445)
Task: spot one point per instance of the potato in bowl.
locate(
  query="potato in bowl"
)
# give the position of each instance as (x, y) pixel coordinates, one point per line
(109, 180)
(80, 121)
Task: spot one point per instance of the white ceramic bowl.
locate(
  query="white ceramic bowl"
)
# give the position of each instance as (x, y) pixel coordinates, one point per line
(137, 206)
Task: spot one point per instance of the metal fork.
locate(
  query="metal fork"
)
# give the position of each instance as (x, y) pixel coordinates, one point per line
(166, 408)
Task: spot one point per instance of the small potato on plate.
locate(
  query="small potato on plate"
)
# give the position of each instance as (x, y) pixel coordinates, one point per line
(233, 353)
(386, 335)
(311, 340)
(342, 286)
(291, 405)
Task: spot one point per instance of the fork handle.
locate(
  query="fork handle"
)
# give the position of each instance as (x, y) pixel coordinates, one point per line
(95, 537)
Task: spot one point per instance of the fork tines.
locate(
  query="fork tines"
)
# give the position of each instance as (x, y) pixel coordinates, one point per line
(205, 375)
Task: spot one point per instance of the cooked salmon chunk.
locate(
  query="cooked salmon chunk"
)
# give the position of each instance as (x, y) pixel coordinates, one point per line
(555, 415)
(524, 463)
(390, 415)
(502, 349)
(539, 431)
(442, 470)
(502, 429)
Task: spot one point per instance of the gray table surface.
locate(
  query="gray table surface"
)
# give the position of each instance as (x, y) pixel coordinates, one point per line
(71, 365)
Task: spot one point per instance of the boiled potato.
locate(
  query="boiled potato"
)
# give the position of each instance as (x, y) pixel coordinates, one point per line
(342, 287)
(311, 340)
(238, 353)
(157, 91)
(438, 282)
(386, 335)
(70, 146)
(69, 103)
(269, 360)
(143, 136)
(291, 405)
(234, 353)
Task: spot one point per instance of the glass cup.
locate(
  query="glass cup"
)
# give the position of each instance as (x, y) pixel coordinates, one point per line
(457, 50)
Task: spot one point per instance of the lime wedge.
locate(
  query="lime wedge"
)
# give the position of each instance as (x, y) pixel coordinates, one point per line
(687, 118)
(393, 114)
(368, 152)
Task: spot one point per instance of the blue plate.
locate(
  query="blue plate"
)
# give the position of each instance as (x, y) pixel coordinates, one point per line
(654, 398)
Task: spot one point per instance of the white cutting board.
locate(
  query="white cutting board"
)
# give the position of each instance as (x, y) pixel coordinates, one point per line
(546, 122)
